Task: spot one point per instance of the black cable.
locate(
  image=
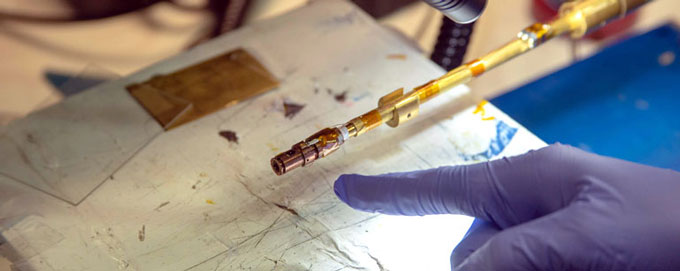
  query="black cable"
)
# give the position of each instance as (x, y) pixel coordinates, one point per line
(452, 44)
(219, 12)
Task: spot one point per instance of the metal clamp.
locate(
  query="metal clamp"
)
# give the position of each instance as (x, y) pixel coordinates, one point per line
(403, 108)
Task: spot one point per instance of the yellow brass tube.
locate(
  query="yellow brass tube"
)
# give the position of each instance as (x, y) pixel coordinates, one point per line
(575, 18)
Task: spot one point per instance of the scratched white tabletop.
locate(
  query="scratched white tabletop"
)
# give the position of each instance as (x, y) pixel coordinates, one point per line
(93, 183)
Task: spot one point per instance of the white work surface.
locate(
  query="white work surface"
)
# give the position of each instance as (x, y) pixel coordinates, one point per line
(138, 198)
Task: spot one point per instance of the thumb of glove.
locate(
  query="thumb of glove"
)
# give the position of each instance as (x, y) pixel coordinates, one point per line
(559, 241)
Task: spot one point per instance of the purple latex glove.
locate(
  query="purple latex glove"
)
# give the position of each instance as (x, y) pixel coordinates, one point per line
(557, 208)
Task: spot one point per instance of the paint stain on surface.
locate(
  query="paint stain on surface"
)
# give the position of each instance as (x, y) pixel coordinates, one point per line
(397, 56)
(272, 147)
(292, 109)
(641, 104)
(287, 209)
(667, 58)
(209, 201)
(341, 97)
(229, 135)
(504, 134)
(348, 18)
(142, 234)
(480, 110)
(31, 139)
(161, 205)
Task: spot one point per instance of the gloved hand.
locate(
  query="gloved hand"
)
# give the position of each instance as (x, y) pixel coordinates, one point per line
(557, 208)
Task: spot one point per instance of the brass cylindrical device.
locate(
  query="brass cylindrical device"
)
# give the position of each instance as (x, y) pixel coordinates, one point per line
(576, 18)
(318, 145)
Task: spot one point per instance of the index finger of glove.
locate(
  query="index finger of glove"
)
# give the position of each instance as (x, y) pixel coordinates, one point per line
(506, 191)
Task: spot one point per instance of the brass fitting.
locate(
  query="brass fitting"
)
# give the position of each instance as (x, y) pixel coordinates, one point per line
(398, 108)
(304, 153)
(394, 108)
(586, 15)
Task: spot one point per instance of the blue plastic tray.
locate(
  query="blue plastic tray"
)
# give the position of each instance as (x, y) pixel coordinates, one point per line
(622, 102)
